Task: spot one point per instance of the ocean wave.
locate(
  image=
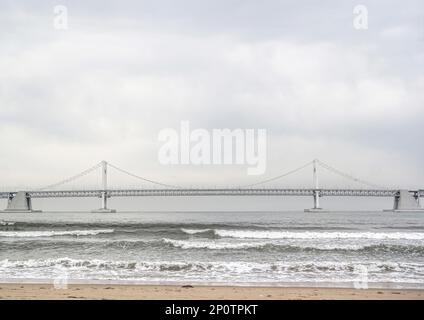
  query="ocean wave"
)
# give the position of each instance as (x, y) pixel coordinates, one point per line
(53, 233)
(212, 272)
(213, 245)
(284, 247)
(6, 223)
(254, 234)
(262, 246)
(201, 233)
(216, 266)
(129, 226)
(195, 231)
(65, 263)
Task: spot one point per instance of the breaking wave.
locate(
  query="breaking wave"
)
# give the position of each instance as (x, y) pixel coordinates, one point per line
(282, 247)
(274, 234)
(201, 244)
(6, 223)
(51, 233)
(195, 231)
(217, 270)
(177, 266)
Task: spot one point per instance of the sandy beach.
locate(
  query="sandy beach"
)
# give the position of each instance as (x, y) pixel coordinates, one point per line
(91, 291)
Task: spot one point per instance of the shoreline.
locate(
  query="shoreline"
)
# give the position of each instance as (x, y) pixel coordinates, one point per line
(46, 291)
(179, 283)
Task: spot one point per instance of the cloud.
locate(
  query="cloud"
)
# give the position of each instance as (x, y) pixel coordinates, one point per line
(104, 88)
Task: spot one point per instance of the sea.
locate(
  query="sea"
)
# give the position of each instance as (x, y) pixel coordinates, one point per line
(336, 249)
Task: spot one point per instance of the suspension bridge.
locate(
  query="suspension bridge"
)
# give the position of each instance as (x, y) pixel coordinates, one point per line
(20, 200)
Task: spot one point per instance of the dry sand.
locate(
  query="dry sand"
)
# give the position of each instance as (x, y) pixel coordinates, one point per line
(92, 291)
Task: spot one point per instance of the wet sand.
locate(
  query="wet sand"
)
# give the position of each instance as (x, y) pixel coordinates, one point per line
(163, 292)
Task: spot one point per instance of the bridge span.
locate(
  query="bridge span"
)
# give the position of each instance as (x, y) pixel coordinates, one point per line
(211, 192)
(20, 201)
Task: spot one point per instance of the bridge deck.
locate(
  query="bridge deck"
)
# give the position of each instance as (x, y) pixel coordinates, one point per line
(212, 192)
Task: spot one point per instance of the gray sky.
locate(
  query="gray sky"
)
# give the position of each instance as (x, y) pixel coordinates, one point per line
(126, 69)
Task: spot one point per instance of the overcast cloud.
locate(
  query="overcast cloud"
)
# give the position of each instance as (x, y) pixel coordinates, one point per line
(126, 69)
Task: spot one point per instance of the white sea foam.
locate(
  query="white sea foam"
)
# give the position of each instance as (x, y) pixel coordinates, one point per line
(194, 231)
(240, 266)
(217, 270)
(6, 223)
(213, 245)
(284, 245)
(63, 262)
(274, 234)
(53, 233)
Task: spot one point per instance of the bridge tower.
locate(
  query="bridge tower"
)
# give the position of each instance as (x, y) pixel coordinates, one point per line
(405, 201)
(104, 193)
(316, 192)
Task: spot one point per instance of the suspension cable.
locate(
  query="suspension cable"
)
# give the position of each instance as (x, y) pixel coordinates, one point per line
(70, 179)
(322, 164)
(277, 177)
(141, 178)
(348, 176)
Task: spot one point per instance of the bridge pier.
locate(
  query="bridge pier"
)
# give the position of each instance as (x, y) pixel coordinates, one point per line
(316, 207)
(316, 192)
(405, 201)
(20, 202)
(104, 195)
(104, 208)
